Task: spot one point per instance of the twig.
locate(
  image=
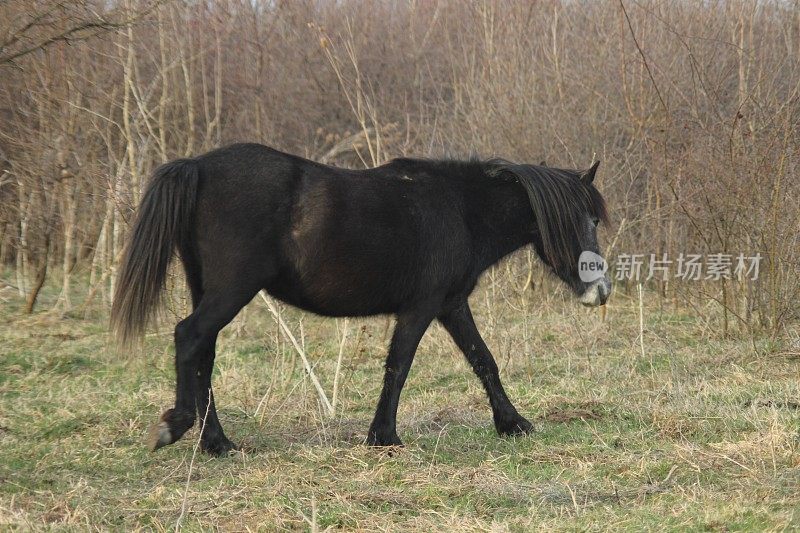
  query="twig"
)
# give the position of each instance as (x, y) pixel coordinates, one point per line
(313, 520)
(641, 332)
(644, 59)
(335, 394)
(641, 319)
(309, 369)
(191, 466)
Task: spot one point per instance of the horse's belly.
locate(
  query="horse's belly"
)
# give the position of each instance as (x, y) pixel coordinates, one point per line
(344, 288)
(354, 262)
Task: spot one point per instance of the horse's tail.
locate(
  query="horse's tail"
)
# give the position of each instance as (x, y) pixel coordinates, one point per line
(163, 223)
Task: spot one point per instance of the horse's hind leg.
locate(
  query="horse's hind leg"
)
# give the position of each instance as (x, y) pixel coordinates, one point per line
(195, 337)
(213, 439)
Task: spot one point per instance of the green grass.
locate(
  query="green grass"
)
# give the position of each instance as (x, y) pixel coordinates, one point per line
(699, 434)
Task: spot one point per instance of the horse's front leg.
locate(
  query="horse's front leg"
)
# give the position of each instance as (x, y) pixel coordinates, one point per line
(407, 333)
(461, 326)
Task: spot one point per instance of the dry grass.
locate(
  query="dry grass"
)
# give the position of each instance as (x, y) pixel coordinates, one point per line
(701, 433)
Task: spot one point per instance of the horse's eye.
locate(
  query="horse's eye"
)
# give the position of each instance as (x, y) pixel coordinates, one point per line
(596, 221)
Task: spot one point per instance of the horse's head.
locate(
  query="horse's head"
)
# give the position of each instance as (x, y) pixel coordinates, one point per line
(567, 209)
(567, 238)
(593, 284)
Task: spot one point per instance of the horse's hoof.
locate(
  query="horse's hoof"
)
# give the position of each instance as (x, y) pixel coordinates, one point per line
(514, 427)
(218, 447)
(376, 440)
(159, 436)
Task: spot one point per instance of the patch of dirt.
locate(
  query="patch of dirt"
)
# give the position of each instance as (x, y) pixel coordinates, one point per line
(64, 336)
(777, 404)
(569, 413)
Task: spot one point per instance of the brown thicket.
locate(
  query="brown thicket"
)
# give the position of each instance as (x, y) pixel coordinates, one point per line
(693, 107)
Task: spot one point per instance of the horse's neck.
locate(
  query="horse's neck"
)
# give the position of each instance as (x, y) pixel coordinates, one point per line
(506, 222)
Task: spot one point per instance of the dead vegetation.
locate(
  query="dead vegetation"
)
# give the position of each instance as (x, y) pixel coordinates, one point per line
(692, 107)
(688, 436)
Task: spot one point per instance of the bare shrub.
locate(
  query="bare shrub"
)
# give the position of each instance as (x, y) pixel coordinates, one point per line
(692, 107)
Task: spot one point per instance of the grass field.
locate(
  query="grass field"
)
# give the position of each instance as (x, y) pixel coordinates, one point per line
(698, 433)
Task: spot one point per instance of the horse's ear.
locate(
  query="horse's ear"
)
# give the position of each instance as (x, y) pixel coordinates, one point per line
(588, 176)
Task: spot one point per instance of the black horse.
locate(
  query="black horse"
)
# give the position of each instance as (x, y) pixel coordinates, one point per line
(409, 238)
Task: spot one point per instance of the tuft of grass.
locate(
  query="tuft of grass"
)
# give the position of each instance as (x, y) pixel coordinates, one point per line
(699, 434)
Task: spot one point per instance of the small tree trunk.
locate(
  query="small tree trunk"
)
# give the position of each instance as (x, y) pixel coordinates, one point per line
(41, 275)
(70, 254)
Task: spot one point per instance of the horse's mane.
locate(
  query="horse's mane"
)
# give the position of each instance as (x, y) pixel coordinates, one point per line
(558, 198)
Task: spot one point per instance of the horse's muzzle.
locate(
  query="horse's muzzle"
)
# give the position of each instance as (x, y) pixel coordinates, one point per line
(597, 293)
